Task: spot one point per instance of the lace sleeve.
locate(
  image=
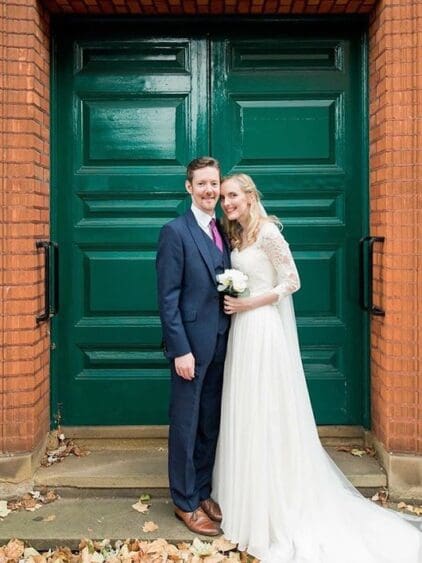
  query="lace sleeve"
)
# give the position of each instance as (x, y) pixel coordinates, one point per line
(276, 248)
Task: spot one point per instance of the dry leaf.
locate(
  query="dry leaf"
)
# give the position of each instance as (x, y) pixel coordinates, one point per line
(201, 548)
(214, 558)
(223, 545)
(30, 552)
(149, 527)
(4, 511)
(357, 452)
(14, 549)
(410, 508)
(183, 545)
(49, 518)
(381, 496)
(141, 507)
(346, 449)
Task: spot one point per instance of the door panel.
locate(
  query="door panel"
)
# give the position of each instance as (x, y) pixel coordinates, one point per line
(132, 109)
(133, 113)
(291, 118)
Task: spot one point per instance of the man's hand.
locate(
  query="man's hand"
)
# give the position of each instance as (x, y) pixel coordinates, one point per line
(185, 366)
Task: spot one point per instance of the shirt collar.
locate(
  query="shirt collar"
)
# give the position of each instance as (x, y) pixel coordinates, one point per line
(202, 218)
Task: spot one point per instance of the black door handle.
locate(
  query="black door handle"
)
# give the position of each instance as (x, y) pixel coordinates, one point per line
(49, 310)
(45, 245)
(366, 272)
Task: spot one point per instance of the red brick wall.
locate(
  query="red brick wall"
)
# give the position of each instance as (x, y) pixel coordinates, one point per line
(24, 204)
(396, 187)
(192, 7)
(396, 164)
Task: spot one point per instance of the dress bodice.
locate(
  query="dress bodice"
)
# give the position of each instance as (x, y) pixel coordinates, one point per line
(268, 263)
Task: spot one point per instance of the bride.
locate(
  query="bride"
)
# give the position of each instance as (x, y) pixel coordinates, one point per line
(282, 497)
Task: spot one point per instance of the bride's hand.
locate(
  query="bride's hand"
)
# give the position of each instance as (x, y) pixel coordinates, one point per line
(237, 304)
(241, 304)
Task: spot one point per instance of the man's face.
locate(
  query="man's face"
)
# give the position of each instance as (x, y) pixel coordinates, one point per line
(205, 188)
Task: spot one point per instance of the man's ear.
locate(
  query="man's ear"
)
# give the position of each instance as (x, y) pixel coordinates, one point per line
(188, 186)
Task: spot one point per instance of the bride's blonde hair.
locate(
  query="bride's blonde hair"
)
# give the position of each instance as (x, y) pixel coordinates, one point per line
(256, 214)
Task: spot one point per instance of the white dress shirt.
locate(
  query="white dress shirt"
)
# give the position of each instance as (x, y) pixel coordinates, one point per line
(203, 219)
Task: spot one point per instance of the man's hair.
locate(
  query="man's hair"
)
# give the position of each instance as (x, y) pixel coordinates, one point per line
(201, 162)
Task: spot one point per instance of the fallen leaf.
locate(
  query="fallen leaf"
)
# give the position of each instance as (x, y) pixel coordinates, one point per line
(410, 508)
(141, 507)
(183, 545)
(201, 549)
(357, 452)
(149, 527)
(50, 496)
(14, 549)
(346, 449)
(223, 545)
(381, 496)
(30, 552)
(49, 518)
(4, 511)
(33, 508)
(216, 558)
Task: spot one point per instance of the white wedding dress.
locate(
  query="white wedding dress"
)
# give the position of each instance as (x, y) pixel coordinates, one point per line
(283, 499)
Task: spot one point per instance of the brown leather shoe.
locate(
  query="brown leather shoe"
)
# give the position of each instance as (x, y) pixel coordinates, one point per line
(198, 522)
(211, 508)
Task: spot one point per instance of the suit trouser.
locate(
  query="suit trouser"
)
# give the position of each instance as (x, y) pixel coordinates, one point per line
(194, 426)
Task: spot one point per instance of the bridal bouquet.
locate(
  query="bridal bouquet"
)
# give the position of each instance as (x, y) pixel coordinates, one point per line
(233, 282)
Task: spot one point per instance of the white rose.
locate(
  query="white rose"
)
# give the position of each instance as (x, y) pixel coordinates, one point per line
(239, 280)
(223, 281)
(239, 285)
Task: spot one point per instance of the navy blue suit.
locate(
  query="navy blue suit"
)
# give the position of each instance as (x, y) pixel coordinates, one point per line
(193, 320)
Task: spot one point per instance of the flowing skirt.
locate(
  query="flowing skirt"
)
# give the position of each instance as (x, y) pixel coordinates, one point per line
(283, 499)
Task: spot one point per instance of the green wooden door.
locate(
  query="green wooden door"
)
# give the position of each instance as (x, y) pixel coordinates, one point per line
(290, 110)
(132, 107)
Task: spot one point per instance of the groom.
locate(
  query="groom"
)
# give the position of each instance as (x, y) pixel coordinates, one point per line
(191, 253)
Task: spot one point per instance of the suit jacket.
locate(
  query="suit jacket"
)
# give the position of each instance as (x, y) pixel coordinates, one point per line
(188, 300)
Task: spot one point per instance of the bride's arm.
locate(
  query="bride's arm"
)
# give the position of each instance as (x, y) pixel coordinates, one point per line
(278, 251)
(276, 248)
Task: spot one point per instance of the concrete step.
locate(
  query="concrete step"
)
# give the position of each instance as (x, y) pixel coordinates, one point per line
(134, 437)
(66, 521)
(128, 472)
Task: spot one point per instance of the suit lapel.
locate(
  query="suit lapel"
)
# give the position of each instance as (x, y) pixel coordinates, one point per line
(200, 242)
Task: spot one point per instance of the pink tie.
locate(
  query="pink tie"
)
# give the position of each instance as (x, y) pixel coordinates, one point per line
(216, 237)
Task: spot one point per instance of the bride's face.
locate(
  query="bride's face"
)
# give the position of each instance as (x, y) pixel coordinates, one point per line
(234, 201)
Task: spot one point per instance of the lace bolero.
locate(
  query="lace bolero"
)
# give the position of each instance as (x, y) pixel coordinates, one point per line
(274, 245)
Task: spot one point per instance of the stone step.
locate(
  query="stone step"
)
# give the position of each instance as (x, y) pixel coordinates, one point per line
(66, 521)
(135, 437)
(126, 472)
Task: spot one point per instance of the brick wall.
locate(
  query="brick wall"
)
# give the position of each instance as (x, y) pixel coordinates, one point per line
(396, 164)
(396, 174)
(24, 207)
(193, 7)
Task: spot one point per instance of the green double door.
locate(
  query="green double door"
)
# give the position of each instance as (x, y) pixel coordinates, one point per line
(132, 106)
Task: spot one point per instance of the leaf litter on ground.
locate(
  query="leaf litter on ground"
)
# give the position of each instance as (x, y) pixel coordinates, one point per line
(130, 550)
(357, 450)
(59, 447)
(29, 501)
